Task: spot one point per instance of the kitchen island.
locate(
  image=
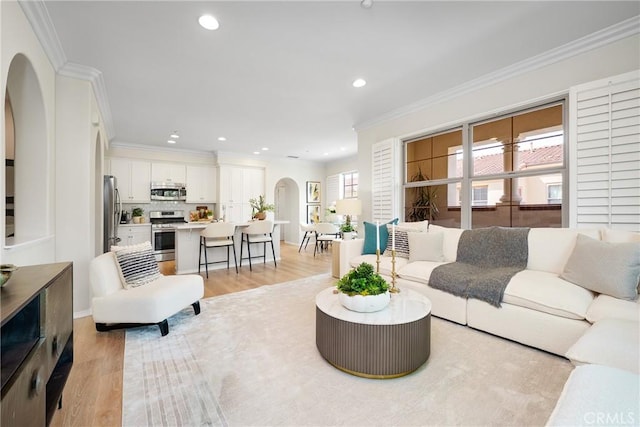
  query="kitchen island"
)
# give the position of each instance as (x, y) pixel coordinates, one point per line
(188, 247)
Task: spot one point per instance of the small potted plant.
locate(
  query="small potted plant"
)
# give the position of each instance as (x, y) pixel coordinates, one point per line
(260, 207)
(137, 215)
(348, 231)
(209, 214)
(363, 290)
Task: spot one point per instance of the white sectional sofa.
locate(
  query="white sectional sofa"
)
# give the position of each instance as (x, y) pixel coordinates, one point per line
(540, 309)
(598, 332)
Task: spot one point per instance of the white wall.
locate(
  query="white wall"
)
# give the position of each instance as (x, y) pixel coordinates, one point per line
(75, 186)
(551, 80)
(18, 38)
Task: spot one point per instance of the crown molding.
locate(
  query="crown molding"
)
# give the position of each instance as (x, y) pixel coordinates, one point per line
(619, 31)
(143, 147)
(94, 76)
(38, 16)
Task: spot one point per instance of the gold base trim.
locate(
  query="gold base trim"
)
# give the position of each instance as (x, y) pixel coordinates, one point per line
(370, 376)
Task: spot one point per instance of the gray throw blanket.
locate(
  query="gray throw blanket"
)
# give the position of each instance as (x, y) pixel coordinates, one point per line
(487, 260)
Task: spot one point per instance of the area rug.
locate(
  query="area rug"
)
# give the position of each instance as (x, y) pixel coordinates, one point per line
(250, 359)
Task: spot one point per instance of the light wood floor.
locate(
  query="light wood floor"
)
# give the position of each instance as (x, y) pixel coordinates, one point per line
(93, 393)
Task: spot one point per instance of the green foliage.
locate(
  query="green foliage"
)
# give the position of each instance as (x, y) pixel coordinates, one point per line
(260, 205)
(362, 280)
(137, 212)
(347, 228)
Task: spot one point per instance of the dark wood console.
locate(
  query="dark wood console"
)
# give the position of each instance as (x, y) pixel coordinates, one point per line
(36, 342)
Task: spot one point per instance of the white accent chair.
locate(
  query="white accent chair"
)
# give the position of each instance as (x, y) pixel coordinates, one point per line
(309, 230)
(217, 235)
(325, 234)
(258, 232)
(114, 307)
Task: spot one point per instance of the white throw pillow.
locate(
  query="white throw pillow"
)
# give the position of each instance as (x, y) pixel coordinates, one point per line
(607, 268)
(425, 246)
(137, 264)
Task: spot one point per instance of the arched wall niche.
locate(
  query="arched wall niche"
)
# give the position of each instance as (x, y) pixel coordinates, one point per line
(31, 172)
(287, 201)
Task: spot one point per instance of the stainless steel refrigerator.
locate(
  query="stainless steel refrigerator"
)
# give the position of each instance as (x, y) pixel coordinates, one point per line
(112, 209)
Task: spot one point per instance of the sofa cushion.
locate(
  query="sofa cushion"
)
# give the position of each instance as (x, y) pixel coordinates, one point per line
(425, 246)
(415, 226)
(607, 268)
(370, 237)
(619, 236)
(418, 271)
(151, 303)
(597, 395)
(605, 306)
(550, 248)
(137, 264)
(546, 292)
(609, 342)
(385, 263)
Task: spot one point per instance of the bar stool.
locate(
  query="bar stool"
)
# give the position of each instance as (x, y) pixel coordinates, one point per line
(216, 235)
(258, 232)
(325, 234)
(309, 230)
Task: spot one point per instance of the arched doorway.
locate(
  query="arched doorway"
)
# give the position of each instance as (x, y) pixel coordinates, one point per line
(29, 165)
(287, 201)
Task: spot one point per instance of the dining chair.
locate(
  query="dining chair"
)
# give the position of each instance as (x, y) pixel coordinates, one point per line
(258, 232)
(309, 230)
(325, 234)
(217, 235)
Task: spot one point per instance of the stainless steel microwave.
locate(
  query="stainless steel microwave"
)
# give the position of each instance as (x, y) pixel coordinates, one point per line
(168, 191)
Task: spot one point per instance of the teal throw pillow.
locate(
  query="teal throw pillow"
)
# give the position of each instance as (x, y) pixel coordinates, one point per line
(369, 247)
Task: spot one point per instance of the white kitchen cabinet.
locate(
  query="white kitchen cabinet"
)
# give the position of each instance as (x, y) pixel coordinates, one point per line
(201, 184)
(238, 184)
(133, 179)
(134, 234)
(168, 172)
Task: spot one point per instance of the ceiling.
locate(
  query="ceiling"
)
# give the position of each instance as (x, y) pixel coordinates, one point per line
(278, 75)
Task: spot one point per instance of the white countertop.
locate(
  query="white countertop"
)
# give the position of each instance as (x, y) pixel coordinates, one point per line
(144, 224)
(203, 224)
(405, 306)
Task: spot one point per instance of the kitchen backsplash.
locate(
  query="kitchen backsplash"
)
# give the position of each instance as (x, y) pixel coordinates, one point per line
(167, 206)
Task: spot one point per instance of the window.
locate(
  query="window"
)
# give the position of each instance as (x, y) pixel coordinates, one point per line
(479, 195)
(350, 185)
(514, 175)
(554, 193)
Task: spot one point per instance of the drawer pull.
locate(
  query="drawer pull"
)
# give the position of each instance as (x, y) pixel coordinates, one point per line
(36, 383)
(54, 346)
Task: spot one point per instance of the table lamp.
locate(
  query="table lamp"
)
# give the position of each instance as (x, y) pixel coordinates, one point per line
(348, 207)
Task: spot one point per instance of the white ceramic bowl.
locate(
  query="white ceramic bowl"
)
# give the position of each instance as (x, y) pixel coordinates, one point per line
(365, 304)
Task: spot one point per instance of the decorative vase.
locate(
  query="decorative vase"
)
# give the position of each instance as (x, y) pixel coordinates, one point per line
(348, 235)
(260, 215)
(7, 270)
(365, 304)
(137, 219)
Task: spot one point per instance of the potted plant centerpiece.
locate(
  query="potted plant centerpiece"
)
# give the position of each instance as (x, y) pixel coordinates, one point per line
(136, 214)
(363, 290)
(260, 207)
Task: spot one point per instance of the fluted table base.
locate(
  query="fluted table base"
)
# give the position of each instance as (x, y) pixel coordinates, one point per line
(373, 351)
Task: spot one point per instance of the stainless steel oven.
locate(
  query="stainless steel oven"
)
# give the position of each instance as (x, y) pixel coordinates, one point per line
(163, 233)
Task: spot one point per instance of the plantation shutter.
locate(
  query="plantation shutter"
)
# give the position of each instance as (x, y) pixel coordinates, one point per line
(385, 186)
(333, 189)
(605, 153)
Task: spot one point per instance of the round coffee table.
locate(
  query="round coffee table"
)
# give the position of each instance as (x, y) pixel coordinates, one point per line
(386, 344)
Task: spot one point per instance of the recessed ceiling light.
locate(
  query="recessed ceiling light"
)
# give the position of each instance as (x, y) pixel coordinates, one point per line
(222, 138)
(342, 148)
(208, 22)
(256, 152)
(171, 141)
(326, 154)
(359, 82)
(174, 135)
(265, 148)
